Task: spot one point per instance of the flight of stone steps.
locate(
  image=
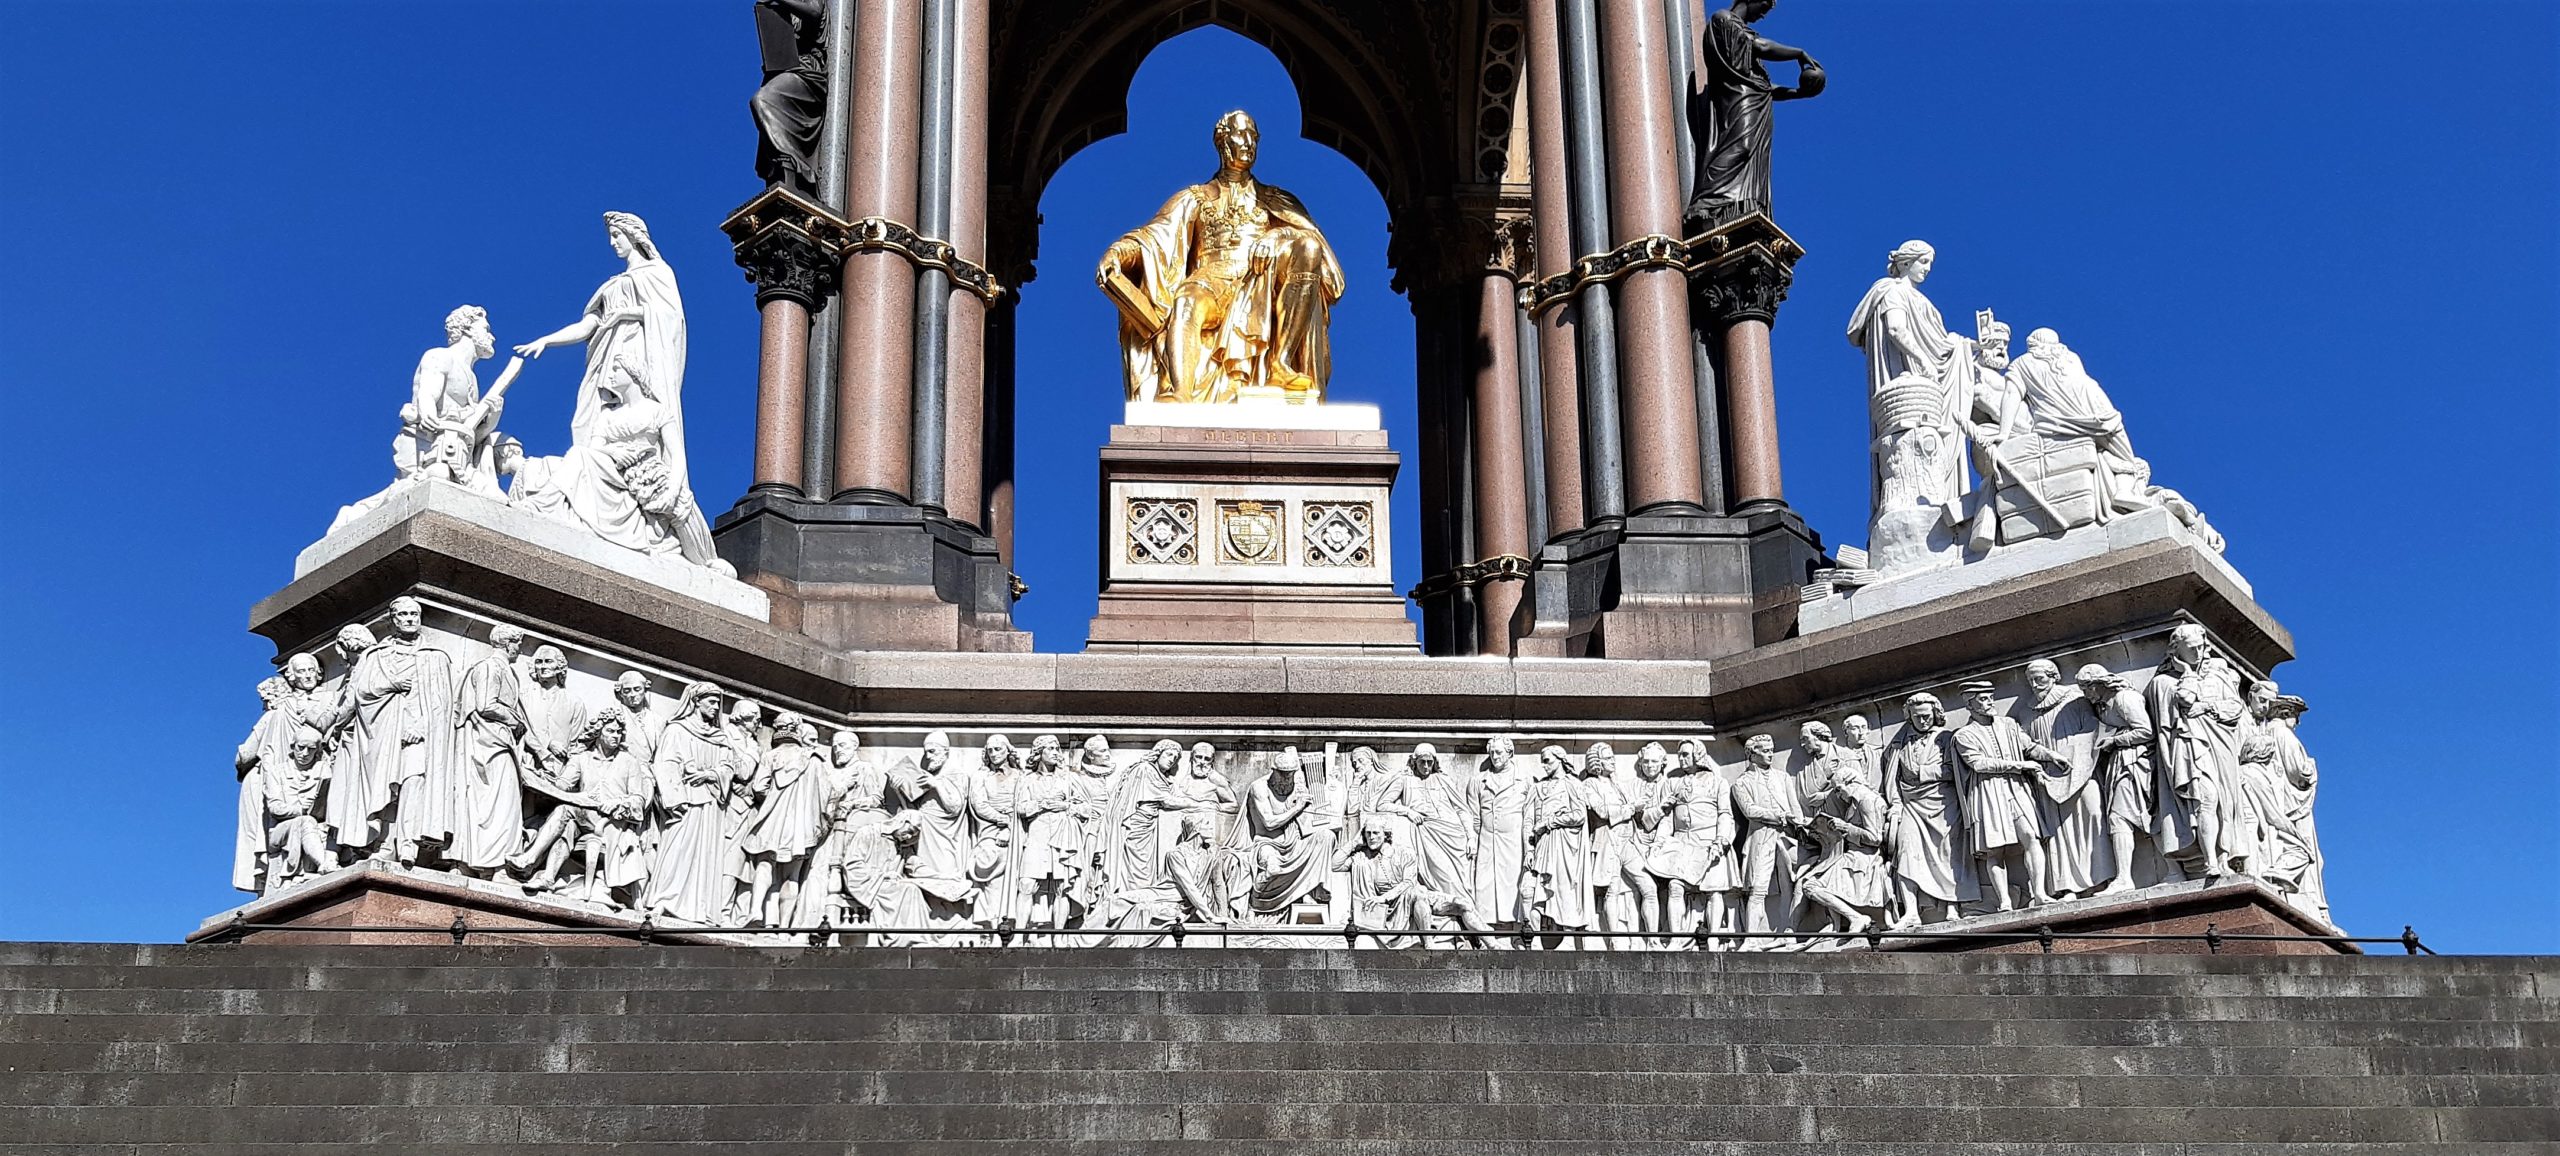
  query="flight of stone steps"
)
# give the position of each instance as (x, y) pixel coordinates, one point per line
(124, 1050)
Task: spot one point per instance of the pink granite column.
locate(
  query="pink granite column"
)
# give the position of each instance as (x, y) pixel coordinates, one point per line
(1751, 401)
(1560, 399)
(782, 391)
(1502, 499)
(875, 401)
(964, 382)
(1655, 373)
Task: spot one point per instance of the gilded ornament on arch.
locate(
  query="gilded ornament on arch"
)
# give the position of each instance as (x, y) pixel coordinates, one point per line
(1249, 533)
(1337, 534)
(1163, 531)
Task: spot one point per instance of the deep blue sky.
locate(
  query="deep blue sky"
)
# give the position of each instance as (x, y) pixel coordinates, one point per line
(2309, 247)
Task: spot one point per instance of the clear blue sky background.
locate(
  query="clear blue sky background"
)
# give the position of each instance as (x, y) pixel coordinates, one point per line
(2309, 247)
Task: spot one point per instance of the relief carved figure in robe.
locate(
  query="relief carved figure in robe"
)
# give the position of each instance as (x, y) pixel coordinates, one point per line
(399, 703)
(1847, 881)
(697, 768)
(2006, 819)
(1692, 854)
(2196, 704)
(2079, 855)
(781, 839)
(1555, 890)
(1504, 786)
(2293, 779)
(1932, 871)
(1774, 826)
(1227, 295)
(488, 806)
(1293, 852)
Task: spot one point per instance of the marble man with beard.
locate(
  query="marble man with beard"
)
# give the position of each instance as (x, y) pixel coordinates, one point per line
(488, 810)
(995, 856)
(2004, 815)
(2196, 706)
(1932, 870)
(398, 704)
(295, 841)
(1292, 855)
(2065, 405)
(937, 798)
(2057, 719)
(2129, 780)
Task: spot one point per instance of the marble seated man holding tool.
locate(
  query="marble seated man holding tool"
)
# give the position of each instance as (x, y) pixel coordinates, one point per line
(1225, 296)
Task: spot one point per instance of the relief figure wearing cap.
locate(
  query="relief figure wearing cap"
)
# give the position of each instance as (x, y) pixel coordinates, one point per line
(1225, 296)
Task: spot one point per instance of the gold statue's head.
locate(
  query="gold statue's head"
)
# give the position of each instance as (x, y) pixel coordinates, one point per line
(1237, 140)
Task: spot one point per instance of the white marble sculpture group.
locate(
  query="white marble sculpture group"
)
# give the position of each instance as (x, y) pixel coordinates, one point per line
(623, 478)
(2045, 449)
(721, 813)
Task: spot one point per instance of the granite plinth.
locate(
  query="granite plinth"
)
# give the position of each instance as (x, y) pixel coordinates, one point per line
(1234, 539)
(2228, 906)
(412, 497)
(336, 906)
(1251, 415)
(1846, 606)
(873, 576)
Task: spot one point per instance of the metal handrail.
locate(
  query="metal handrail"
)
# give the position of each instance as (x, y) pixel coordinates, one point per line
(1350, 933)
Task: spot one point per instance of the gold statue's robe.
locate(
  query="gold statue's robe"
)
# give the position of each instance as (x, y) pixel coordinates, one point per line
(1244, 285)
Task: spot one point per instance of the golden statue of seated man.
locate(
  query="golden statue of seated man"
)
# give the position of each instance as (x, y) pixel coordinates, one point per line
(1226, 294)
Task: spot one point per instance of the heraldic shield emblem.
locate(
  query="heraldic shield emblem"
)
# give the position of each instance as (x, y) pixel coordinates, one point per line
(1249, 533)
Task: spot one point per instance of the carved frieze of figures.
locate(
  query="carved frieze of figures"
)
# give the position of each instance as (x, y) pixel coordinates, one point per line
(485, 753)
(1971, 451)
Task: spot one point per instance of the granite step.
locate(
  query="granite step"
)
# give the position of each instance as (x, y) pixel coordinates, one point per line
(126, 1049)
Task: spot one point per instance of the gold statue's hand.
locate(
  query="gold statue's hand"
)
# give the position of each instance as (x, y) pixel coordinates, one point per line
(1114, 259)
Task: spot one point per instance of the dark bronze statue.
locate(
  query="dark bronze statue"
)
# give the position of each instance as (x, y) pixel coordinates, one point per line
(791, 104)
(1729, 116)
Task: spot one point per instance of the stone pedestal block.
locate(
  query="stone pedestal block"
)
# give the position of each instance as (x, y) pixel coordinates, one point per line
(873, 577)
(1671, 584)
(1247, 538)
